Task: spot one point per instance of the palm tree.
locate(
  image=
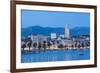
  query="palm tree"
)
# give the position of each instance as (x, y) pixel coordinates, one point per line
(39, 46)
(29, 44)
(76, 45)
(23, 46)
(82, 45)
(49, 44)
(72, 46)
(44, 45)
(88, 44)
(79, 46)
(35, 45)
(60, 46)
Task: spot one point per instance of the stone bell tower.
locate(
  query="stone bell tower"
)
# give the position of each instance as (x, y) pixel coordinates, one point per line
(67, 31)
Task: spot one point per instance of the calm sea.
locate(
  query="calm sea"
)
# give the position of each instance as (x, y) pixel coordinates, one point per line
(58, 55)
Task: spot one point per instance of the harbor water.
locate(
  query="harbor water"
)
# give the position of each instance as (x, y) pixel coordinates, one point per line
(55, 55)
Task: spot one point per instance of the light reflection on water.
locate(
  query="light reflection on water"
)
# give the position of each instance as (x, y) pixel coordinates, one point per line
(58, 55)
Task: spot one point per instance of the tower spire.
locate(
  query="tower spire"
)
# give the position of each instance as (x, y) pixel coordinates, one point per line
(67, 31)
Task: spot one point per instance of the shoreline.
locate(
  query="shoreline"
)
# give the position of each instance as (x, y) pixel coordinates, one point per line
(34, 51)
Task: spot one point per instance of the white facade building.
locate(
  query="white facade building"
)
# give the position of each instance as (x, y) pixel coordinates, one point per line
(38, 38)
(53, 36)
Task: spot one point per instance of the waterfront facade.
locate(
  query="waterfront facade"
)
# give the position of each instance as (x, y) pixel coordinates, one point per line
(55, 41)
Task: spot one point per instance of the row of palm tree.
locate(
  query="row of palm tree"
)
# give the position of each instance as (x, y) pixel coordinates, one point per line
(35, 45)
(44, 45)
(76, 45)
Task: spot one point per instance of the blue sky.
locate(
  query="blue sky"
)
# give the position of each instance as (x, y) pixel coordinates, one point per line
(54, 19)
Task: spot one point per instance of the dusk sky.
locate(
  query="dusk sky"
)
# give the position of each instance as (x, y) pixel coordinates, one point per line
(54, 19)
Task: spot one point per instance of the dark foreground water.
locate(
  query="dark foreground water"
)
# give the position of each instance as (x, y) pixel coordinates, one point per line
(58, 55)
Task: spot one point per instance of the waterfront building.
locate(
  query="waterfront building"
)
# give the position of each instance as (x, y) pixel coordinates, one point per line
(66, 42)
(55, 41)
(38, 38)
(53, 36)
(62, 35)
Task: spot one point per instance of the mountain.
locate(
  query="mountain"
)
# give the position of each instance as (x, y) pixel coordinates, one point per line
(59, 30)
(80, 31)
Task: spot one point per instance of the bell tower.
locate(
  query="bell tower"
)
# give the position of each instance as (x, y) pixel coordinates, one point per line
(67, 32)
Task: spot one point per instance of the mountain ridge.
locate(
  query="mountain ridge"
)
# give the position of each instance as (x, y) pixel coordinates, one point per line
(58, 30)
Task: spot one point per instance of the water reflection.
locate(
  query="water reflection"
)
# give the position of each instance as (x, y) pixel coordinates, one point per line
(58, 55)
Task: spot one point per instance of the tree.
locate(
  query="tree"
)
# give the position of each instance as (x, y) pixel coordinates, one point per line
(39, 46)
(82, 45)
(44, 45)
(23, 46)
(79, 46)
(72, 46)
(60, 46)
(88, 44)
(75, 44)
(35, 45)
(29, 44)
(49, 44)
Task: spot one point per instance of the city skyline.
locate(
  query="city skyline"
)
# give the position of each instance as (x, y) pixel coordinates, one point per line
(54, 19)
